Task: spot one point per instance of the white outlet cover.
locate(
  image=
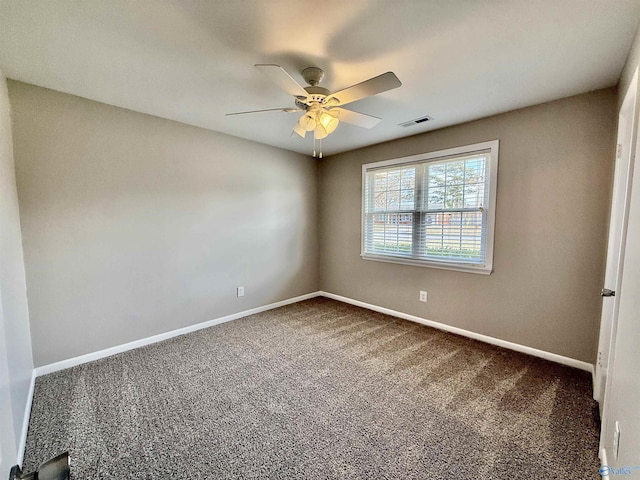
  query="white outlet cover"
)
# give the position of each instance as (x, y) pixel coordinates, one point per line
(241, 291)
(423, 296)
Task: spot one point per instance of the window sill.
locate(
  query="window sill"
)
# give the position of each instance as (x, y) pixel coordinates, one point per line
(457, 267)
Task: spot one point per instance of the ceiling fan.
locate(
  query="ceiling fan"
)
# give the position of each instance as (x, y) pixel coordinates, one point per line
(323, 109)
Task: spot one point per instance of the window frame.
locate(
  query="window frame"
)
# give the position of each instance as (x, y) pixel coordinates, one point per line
(485, 268)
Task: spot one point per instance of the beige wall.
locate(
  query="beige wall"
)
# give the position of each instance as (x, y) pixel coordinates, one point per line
(16, 363)
(135, 225)
(554, 178)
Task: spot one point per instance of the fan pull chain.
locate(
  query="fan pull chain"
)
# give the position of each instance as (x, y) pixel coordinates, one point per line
(320, 156)
(314, 144)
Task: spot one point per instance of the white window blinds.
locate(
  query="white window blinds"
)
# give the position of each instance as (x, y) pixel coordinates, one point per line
(436, 209)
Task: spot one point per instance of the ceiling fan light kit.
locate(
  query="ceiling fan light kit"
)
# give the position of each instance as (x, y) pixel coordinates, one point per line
(322, 108)
(307, 122)
(329, 120)
(299, 130)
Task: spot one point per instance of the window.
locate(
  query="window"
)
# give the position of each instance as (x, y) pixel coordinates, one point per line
(434, 210)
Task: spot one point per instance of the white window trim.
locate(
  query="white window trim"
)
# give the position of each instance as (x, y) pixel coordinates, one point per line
(484, 269)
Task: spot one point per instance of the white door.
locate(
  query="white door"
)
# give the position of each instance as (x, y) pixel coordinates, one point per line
(626, 145)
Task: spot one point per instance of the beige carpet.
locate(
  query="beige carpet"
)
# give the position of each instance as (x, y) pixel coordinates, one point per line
(318, 389)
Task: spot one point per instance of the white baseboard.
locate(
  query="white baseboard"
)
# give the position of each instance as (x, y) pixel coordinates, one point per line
(107, 352)
(25, 420)
(604, 472)
(71, 362)
(571, 362)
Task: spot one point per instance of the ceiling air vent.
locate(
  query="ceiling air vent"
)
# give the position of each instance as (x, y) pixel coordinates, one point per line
(416, 121)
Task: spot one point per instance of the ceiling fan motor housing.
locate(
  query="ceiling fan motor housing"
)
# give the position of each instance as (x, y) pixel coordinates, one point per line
(315, 95)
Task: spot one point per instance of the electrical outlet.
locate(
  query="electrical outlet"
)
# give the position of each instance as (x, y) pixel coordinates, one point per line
(616, 440)
(241, 291)
(423, 296)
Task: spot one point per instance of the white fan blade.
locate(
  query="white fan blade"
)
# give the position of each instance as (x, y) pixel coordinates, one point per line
(287, 110)
(280, 77)
(373, 86)
(355, 118)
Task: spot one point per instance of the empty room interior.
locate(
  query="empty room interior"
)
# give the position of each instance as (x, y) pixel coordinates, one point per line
(293, 239)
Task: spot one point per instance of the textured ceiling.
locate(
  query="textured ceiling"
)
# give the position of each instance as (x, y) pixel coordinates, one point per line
(192, 61)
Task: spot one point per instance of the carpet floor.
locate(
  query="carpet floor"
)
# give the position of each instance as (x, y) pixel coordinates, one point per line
(317, 389)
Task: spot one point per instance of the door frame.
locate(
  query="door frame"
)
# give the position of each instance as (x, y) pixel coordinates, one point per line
(626, 144)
